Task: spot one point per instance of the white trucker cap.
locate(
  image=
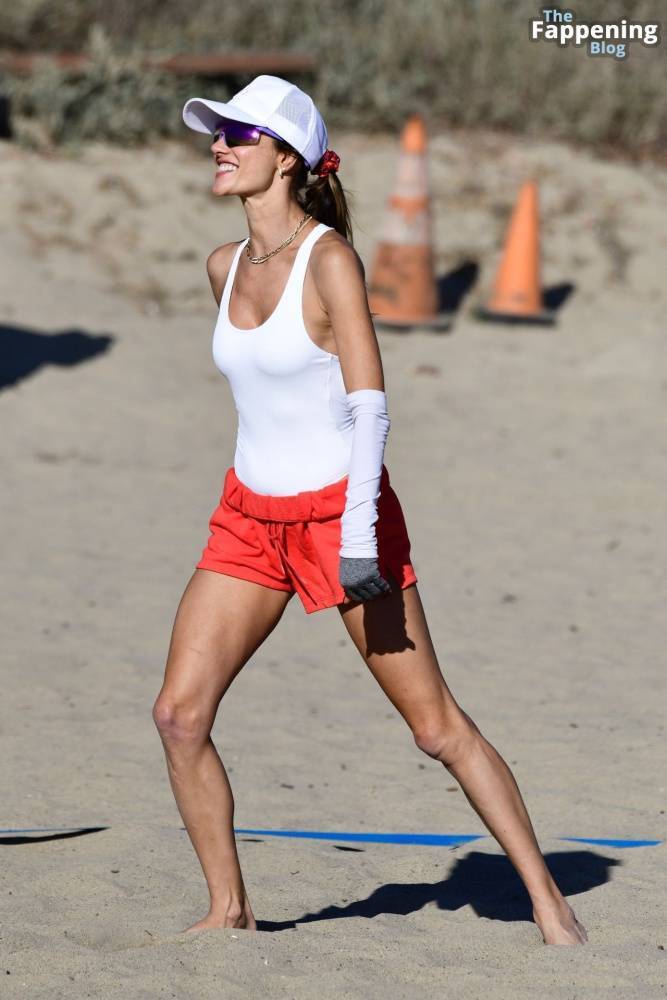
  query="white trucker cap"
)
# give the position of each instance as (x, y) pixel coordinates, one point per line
(272, 102)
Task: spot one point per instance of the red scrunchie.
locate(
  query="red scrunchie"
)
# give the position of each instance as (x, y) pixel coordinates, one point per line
(329, 161)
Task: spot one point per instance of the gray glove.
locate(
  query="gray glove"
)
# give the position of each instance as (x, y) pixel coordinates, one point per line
(361, 579)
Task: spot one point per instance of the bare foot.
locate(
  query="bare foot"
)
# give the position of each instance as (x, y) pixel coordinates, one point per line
(226, 918)
(558, 923)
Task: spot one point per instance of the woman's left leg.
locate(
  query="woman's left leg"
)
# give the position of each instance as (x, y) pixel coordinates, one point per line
(392, 636)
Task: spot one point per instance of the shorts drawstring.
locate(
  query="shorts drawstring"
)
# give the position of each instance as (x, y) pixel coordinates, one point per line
(316, 586)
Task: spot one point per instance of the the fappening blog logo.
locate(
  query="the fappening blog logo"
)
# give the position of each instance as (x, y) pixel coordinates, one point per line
(602, 38)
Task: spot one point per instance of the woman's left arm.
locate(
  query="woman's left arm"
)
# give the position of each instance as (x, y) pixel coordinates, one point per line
(340, 279)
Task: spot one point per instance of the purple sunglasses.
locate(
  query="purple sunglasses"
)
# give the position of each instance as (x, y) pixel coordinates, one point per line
(241, 133)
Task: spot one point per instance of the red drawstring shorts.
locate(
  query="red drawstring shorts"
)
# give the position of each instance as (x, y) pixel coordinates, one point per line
(292, 543)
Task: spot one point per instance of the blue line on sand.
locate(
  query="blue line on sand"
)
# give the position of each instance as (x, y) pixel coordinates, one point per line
(436, 839)
(607, 842)
(446, 839)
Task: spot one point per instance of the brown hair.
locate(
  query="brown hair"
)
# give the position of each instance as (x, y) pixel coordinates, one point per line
(322, 197)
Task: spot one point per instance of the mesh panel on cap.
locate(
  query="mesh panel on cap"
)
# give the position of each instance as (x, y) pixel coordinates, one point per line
(294, 110)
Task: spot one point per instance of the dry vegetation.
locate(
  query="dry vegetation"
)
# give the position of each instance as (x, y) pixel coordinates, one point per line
(463, 62)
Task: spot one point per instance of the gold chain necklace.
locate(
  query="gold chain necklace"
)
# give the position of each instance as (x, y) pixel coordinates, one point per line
(259, 260)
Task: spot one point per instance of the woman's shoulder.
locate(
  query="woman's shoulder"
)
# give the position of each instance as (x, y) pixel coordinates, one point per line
(331, 238)
(218, 263)
(333, 254)
(221, 258)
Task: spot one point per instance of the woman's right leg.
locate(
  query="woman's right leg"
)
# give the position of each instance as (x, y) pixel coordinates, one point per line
(220, 622)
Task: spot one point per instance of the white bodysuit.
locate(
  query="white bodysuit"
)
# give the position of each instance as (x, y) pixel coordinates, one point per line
(296, 422)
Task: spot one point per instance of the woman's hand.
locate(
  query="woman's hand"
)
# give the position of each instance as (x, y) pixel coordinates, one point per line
(361, 579)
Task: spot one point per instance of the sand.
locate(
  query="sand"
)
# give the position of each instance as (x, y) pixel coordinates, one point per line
(530, 463)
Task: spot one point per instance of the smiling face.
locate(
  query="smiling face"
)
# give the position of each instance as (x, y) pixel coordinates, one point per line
(244, 170)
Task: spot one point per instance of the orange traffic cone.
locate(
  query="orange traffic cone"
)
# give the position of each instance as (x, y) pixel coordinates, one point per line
(402, 291)
(516, 296)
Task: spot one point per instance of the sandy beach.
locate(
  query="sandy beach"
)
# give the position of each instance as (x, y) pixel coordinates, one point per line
(530, 463)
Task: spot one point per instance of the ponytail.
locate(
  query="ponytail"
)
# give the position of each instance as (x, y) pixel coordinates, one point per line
(322, 197)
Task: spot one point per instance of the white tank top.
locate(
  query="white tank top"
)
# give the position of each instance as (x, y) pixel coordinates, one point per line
(294, 422)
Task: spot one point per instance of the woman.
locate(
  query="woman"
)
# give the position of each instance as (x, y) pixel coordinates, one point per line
(307, 506)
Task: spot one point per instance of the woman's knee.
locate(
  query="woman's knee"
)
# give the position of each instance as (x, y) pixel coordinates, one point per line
(447, 739)
(182, 719)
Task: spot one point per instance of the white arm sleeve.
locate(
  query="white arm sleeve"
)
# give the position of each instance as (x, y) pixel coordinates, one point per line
(371, 426)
